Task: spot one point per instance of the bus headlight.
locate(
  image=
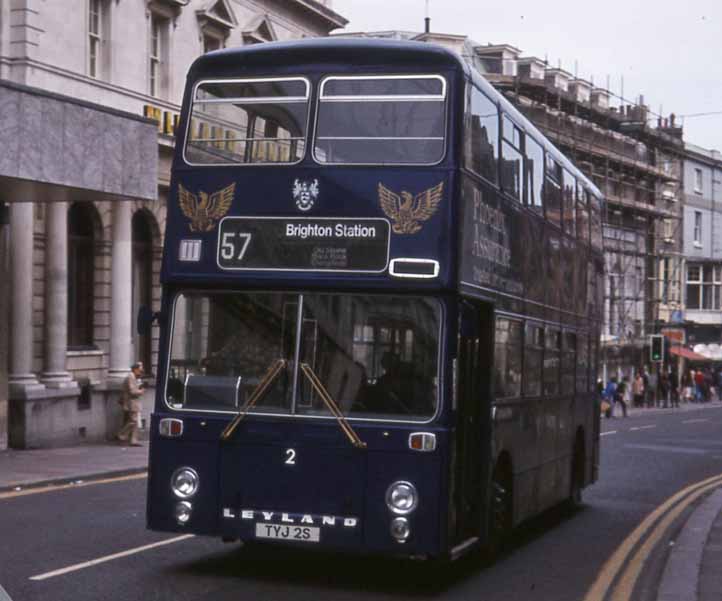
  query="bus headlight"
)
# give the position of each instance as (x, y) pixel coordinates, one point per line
(184, 482)
(400, 529)
(401, 498)
(183, 512)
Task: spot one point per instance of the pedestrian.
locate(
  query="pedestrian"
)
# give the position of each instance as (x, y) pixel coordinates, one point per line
(638, 389)
(131, 401)
(664, 390)
(708, 385)
(674, 388)
(699, 386)
(652, 382)
(687, 383)
(623, 393)
(610, 394)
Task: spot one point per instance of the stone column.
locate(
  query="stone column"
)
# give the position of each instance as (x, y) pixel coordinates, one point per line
(121, 300)
(21, 304)
(56, 296)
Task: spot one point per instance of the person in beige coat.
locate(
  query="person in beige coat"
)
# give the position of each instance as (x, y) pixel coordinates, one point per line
(131, 401)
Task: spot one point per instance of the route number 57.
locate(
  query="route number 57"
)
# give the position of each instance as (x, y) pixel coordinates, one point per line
(230, 246)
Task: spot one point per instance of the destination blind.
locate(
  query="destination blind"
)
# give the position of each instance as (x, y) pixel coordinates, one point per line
(299, 244)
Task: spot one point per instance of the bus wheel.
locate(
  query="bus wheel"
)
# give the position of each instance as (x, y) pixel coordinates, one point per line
(500, 510)
(574, 500)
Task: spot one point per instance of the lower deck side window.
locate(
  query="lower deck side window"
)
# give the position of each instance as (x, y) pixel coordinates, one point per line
(508, 357)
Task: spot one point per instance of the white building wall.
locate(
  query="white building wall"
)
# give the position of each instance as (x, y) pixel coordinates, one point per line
(45, 44)
(59, 59)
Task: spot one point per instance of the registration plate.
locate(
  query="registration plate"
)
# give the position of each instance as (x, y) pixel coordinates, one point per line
(306, 534)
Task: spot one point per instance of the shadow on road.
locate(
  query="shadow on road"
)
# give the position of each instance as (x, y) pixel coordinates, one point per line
(312, 569)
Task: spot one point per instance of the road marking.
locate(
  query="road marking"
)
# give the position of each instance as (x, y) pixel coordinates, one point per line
(613, 566)
(668, 449)
(625, 587)
(3, 595)
(647, 427)
(95, 562)
(635, 428)
(53, 487)
(695, 421)
(609, 432)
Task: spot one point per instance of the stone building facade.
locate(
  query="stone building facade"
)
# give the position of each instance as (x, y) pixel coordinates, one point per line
(702, 274)
(90, 91)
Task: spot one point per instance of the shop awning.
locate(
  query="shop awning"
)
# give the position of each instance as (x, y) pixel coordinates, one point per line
(681, 351)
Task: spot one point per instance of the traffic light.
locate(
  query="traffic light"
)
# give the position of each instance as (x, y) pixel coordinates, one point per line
(656, 348)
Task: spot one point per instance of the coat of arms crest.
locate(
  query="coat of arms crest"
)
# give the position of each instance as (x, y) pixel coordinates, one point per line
(305, 193)
(407, 211)
(205, 210)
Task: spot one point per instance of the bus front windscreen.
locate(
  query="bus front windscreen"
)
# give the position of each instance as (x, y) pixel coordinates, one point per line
(375, 355)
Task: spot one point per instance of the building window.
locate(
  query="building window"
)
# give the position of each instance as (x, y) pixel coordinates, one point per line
(704, 287)
(665, 280)
(211, 43)
(158, 56)
(98, 30)
(698, 181)
(698, 228)
(94, 37)
(668, 229)
(82, 221)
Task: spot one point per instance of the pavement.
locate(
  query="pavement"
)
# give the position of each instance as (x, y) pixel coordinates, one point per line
(691, 572)
(42, 467)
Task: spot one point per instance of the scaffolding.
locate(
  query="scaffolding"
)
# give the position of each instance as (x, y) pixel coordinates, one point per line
(638, 168)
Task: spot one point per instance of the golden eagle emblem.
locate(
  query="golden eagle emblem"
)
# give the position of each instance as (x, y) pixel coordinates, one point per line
(406, 211)
(204, 210)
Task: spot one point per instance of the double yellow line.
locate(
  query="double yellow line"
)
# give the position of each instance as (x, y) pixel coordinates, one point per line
(56, 487)
(620, 573)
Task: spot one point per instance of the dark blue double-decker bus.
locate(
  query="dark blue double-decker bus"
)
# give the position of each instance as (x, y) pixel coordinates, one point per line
(381, 306)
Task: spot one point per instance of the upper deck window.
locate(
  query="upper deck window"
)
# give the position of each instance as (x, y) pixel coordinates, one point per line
(398, 120)
(482, 126)
(512, 163)
(535, 174)
(248, 121)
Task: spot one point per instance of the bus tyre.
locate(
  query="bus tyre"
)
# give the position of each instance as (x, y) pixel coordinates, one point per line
(501, 505)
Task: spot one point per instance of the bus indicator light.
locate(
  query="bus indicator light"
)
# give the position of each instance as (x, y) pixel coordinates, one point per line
(170, 427)
(422, 441)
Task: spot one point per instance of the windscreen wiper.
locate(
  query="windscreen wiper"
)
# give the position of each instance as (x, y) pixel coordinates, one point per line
(272, 373)
(332, 406)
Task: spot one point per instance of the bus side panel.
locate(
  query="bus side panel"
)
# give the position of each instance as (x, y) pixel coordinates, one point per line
(167, 455)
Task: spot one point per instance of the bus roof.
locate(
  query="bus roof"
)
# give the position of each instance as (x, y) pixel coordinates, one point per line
(327, 50)
(360, 51)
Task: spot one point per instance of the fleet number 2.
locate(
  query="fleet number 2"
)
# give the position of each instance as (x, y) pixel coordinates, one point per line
(290, 457)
